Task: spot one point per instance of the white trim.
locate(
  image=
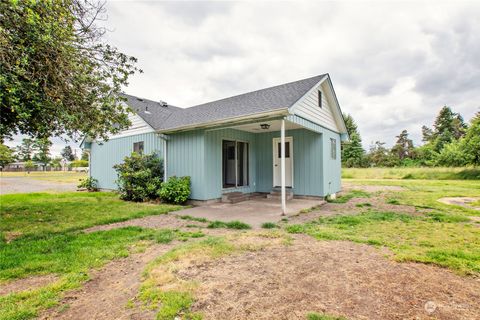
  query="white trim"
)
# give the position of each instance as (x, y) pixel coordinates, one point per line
(252, 116)
(282, 155)
(274, 154)
(236, 166)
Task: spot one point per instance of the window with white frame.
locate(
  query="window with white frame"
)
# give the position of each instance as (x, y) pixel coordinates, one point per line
(138, 147)
(333, 148)
(235, 163)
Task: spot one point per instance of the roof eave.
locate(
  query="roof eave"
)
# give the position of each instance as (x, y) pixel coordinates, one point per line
(232, 120)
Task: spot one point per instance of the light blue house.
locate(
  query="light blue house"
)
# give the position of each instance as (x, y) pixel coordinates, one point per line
(235, 144)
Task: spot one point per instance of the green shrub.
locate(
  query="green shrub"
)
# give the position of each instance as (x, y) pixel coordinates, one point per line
(91, 184)
(229, 225)
(175, 190)
(139, 177)
(79, 164)
(269, 225)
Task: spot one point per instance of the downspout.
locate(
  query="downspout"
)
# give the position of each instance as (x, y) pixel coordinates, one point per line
(165, 156)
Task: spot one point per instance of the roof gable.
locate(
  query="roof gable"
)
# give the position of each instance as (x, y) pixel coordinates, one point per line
(328, 114)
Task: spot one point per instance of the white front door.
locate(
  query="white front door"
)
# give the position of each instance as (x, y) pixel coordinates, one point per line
(277, 175)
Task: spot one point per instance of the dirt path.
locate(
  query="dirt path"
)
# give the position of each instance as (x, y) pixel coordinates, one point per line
(25, 185)
(106, 295)
(339, 278)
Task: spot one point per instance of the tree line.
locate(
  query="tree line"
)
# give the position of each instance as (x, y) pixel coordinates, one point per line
(37, 151)
(449, 142)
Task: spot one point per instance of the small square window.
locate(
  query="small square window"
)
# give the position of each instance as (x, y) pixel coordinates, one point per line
(138, 147)
(333, 148)
(319, 98)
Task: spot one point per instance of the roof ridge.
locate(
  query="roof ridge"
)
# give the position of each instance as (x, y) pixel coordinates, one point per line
(250, 92)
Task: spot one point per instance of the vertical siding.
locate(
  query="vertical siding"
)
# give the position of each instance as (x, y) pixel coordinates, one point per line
(105, 155)
(308, 108)
(307, 161)
(332, 167)
(186, 157)
(213, 161)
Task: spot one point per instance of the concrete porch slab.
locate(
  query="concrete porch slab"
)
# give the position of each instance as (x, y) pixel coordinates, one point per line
(254, 212)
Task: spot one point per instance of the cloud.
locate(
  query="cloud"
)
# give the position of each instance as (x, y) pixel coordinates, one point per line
(393, 64)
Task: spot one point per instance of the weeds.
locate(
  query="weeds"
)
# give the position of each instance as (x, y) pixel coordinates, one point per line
(238, 225)
(347, 197)
(269, 225)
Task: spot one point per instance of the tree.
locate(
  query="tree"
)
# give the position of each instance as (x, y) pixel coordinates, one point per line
(57, 74)
(427, 134)
(403, 148)
(43, 151)
(470, 144)
(380, 156)
(448, 126)
(29, 165)
(67, 154)
(56, 162)
(6, 155)
(26, 149)
(85, 155)
(352, 151)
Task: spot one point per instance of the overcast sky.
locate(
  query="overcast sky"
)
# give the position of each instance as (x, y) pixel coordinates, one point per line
(393, 64)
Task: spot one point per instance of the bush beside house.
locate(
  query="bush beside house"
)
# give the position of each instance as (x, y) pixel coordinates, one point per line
(140, 178)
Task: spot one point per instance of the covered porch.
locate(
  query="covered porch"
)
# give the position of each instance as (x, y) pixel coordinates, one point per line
(278, 158)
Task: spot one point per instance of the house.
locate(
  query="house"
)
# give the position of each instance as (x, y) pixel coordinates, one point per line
(235, 144)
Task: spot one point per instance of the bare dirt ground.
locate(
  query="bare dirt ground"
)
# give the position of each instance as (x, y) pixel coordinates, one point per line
(26, 284)
(154, 222)
(460, 201)
(339, 278)
(106, 295)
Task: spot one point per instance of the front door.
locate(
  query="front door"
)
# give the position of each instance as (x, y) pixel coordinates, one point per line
(277, 175)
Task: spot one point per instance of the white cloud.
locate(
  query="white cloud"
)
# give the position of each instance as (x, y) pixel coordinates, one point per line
(393, 64)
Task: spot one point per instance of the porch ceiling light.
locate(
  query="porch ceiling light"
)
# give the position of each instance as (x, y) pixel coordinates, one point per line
(265, 126)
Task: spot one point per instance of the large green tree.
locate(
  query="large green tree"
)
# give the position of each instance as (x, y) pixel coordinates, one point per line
(57, 75)
(6, 155)
(353, 154)
(42, 145)
(403, 148)
(470, 144)
(26, 149)
(67, 154)
(448, 126)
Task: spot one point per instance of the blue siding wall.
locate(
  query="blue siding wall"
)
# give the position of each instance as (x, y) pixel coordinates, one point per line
(332, 167)
(104, 156)
(185, 152)
(307, 162)
(213, 161)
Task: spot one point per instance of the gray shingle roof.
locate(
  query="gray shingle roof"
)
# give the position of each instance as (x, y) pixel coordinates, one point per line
(264, 100)
(153, 112)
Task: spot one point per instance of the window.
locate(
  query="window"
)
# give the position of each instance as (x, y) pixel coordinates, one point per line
(287, 149)
(319, 98)
(235, 163)
(138, 147)
(333, 148)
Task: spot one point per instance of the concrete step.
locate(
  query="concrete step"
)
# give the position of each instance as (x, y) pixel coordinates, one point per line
(277, 194)
(234, 197)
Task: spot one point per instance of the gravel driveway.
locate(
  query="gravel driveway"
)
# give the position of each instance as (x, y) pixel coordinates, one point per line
(25, 185)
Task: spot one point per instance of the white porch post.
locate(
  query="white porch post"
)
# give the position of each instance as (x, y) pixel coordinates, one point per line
(165, 159)
(282, 167)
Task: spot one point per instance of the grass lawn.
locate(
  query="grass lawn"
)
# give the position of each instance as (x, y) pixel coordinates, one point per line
(53, 176)
(40, 213)
(441, 234)
(412, 173)
(43, 229)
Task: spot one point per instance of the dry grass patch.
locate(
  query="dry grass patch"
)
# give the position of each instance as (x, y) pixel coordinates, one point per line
(166, 292)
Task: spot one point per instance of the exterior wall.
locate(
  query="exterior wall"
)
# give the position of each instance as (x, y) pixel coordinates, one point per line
(186, 157)
(104, 156)
(213, 161)
(307, 162)
(138, 126)
(332, 168)
(308, 108)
